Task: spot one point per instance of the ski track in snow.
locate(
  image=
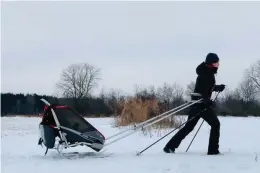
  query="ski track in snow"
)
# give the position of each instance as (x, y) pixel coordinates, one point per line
(239, 141)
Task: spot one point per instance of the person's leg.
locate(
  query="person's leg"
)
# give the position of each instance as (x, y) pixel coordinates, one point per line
(182, 133)
(211, 118)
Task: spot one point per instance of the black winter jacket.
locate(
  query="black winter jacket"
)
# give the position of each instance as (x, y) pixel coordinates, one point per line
(205, 81)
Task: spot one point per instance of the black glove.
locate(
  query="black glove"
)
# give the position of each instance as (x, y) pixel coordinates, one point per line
(219, 88)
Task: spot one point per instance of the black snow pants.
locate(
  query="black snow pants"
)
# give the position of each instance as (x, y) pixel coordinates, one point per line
(210, 117)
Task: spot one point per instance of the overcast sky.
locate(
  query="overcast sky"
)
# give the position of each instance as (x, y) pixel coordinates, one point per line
(144, 43)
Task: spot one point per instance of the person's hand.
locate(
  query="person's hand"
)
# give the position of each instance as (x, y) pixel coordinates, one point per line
(219, 88)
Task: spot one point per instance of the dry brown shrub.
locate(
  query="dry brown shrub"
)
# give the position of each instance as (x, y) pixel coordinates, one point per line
(137, 110)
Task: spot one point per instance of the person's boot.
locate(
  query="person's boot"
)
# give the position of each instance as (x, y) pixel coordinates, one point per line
(214, 152)
(168, 150)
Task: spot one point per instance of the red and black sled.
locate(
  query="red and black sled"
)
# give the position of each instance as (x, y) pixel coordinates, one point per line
(62, 127)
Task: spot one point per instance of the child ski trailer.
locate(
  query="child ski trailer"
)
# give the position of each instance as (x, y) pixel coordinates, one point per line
(62, 127)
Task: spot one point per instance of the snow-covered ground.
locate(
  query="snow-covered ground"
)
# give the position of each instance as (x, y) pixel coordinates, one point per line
(239, 141)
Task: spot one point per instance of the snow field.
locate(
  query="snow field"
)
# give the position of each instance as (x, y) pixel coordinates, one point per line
(239, 141)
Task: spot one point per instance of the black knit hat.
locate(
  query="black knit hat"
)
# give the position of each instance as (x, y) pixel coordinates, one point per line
(211, 58)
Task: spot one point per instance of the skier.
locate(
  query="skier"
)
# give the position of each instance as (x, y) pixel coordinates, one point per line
(205, 84)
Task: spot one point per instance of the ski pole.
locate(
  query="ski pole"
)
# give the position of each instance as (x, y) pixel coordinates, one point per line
(199, 128)
(194, 136)
(169, 133)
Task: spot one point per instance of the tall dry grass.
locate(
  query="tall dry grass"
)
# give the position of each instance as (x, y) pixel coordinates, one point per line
(137, 110)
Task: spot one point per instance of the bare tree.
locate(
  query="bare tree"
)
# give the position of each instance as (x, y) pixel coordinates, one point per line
(145, 93)
(116, 94)
(253, 73)
(231, 102)
(78, 80)
(228, 93)
(115, 100)
(190, 88)
(170, 94)
(248, 90)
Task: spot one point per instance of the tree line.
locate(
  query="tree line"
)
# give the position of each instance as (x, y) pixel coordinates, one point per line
(78, 81)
